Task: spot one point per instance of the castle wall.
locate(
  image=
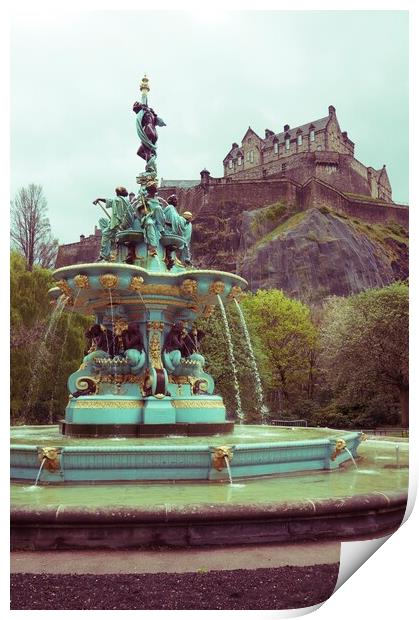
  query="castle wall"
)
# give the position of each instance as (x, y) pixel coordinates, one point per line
(318, 194)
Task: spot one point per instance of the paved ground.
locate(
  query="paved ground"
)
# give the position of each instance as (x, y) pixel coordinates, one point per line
(239, 577)
(174, 560)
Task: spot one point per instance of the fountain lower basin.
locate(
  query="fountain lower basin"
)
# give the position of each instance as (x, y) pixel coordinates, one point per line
(339, 504)
(253, 451)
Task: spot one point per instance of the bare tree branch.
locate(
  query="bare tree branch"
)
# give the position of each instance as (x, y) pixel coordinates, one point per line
(30, 228)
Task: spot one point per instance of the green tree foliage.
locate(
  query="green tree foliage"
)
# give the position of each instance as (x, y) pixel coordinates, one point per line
(364, 350)
(215, 349)
(285, 340)
(44, 351)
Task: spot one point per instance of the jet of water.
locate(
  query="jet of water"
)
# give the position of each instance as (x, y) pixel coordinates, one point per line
(264, 411)
(239, 410)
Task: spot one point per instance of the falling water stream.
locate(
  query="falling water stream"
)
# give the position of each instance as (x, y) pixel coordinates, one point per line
(239, 409)
(41, 358)
(352, 458)
(40, 470)
(228, 469)
(60, 359)
(264, 412)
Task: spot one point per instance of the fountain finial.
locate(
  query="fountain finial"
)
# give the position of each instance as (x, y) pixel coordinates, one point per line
(144, 89)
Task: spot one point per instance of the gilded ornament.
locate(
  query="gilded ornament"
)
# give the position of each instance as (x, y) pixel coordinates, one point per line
(156, 325)
(65, 288)
(108, 280)
(155, 353)
(144, 84)
(81, 281)
(236, 293)
(50, 457)
(221, 456)
(339, 447)
(136, 284)
(108, 404)
(201, 404)
(217, 287)
(161, 289)
(120, 325)
(189, 287)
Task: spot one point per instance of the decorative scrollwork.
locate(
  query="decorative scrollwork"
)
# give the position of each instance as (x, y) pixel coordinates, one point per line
(155, 352)
(156, 325)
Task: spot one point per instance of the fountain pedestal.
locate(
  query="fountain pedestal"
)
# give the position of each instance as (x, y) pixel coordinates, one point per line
(153, 392)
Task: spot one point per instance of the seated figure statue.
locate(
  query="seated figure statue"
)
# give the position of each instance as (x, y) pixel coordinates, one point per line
(172, 348)
(150, 214)
(179, 225)
(133, 347)
(101, 341)
(122, 216)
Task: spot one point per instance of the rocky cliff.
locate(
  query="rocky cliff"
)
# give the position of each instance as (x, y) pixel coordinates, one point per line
(309, 254)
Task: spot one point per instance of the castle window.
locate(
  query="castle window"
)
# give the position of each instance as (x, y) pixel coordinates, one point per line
(312, 135)
(251, 156)
(283, 167)
(239, 161)
(276, 147)
(230, 163)
(287, 144)
(299, 139)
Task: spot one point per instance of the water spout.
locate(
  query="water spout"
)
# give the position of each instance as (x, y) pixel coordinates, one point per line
(239, 410)
(264, 411)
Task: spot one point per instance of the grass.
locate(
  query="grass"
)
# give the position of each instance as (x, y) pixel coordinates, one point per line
(267, 215)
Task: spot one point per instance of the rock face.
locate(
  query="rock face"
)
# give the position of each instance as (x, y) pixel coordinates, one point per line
(309, 254)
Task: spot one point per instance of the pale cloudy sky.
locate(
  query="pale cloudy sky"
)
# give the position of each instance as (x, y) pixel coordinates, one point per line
(75, 77)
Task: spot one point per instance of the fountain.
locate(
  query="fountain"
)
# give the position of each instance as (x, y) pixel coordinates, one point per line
(145, 452)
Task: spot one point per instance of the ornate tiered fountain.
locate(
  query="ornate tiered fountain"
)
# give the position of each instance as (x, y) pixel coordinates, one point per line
(143, 408)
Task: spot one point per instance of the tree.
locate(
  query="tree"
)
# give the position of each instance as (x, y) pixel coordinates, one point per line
(46, 346)
(30, 228)
(284, 340)
(364, 344)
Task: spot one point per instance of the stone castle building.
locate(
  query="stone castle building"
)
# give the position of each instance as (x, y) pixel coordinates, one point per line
(312, 165)
(317, 149)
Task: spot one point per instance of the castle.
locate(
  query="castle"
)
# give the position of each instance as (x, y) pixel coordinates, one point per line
(312, 165)
(317, 149)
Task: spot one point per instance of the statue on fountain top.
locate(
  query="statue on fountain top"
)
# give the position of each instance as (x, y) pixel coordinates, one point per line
(147, 121)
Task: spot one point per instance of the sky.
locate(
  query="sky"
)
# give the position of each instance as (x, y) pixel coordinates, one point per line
(75, 76)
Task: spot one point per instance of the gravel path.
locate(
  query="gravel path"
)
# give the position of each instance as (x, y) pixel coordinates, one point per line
(287, 587)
